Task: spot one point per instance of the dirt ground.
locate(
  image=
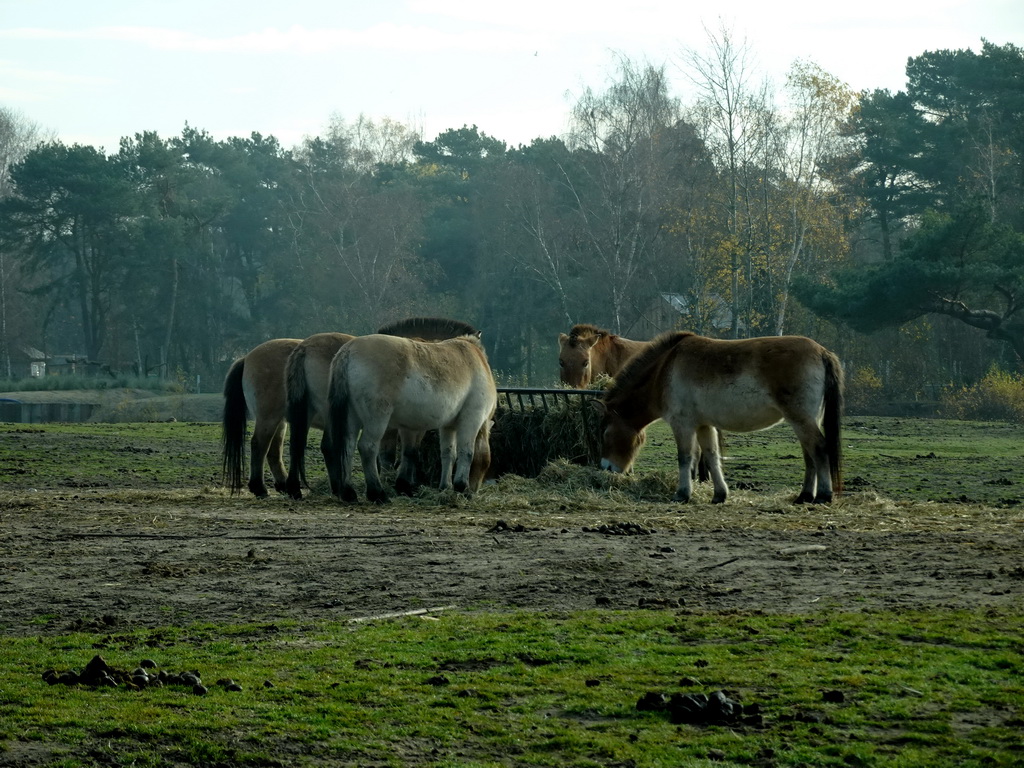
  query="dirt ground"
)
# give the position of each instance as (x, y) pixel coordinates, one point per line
(94, 560)
(128, 543)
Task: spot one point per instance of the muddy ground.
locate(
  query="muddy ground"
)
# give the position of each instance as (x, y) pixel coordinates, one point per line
(122, 548)
(80, 561)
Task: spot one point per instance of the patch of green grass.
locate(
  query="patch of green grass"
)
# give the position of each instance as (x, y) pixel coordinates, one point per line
(137, 455)
(529, 689)
(902, 459)
(75, 383)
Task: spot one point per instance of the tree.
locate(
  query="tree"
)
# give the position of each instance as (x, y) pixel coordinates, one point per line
(70, 218)
(734, 121)
(960, 266)
(374, 144)
(354, 241)
(619, 186)
(891, 174)
(973, 106)
(962, 256)
(814, 143)
(17, 137)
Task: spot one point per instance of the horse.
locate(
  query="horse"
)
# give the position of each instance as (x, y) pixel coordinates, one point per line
(379, 382)
(588, 351)
(307, 375)
(699, 385)
(256, 380)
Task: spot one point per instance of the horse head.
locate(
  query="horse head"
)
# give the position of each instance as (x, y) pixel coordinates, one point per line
(620, 441)
(574, 359)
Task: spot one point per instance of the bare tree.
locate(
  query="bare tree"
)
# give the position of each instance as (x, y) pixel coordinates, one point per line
(619, 183)
(373, 143)
(820, 106)
(732, 116)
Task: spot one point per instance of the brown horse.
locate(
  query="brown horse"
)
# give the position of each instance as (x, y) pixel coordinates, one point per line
(699, 385)
(379, 382)
(307, 374)
(255, 383)
(587, 351)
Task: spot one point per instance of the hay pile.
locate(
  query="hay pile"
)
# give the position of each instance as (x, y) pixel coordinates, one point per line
(526, 436)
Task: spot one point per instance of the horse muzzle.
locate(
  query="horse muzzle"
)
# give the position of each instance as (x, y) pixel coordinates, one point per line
(611, 466)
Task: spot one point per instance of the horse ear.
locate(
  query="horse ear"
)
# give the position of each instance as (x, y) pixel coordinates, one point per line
(562, 338)
(589, 342)
(479, 334)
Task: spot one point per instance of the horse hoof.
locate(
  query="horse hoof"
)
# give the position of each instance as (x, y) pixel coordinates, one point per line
(349, 494)
(716, 499)
(379, 498)
(804, 498)
(682, 499)
(823, 498)
(259, 490)
(405, 488)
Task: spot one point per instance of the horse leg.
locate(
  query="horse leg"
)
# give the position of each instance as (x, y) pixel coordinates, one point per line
(465, 442)
(817, 487)
(389, 449)
(447, 438)
(406, 483)
(338, 455)
(262, 438)
(685, 448)
(369, 450)
(707, 439)
(275, 458)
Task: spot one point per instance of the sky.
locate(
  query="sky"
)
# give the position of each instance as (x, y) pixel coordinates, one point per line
(91, 72)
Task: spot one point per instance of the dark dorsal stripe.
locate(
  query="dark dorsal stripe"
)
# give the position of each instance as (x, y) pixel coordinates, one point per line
(638, 368)
(428, 328)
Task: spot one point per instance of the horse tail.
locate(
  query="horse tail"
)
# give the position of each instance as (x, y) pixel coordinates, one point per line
(233, 426)
(297, 412)
(338, 397)
(832, 421)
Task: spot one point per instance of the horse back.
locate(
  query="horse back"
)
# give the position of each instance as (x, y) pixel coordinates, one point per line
(614, 352)
(308, 372)
(754, 381)
(416, 383)
(263, 377)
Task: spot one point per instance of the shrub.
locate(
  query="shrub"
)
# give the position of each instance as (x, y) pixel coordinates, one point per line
(863, 389)
(999, 395)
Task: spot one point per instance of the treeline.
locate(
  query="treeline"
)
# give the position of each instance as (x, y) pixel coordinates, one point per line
(812, 210)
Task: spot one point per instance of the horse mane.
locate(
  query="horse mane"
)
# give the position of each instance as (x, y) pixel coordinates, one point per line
(428, 328)
(585, 330)
(638, 369)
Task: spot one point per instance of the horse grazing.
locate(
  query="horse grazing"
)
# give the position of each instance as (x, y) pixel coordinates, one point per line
(588, 351)
(255, 383)
(308, 370)
(379, 382)
(699, 385)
